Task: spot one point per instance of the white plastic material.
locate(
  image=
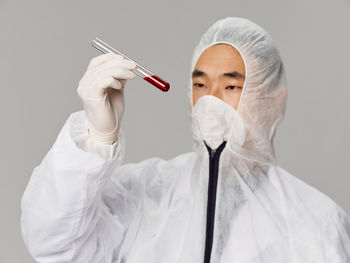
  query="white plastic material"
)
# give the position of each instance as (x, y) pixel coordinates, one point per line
(86, 206)
(101, 91)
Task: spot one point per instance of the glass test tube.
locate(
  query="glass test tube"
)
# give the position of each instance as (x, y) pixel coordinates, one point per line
(138, 70)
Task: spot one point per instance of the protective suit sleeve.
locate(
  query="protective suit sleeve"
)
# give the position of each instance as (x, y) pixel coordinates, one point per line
(80, 135)
(337, 238)
(64, 218)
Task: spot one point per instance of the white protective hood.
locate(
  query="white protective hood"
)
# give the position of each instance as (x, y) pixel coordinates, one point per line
(263, 100)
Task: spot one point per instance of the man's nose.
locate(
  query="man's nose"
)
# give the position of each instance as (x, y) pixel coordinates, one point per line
(215, 91)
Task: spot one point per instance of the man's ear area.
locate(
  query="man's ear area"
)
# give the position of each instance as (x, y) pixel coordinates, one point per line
(280, 100)
(283, 94)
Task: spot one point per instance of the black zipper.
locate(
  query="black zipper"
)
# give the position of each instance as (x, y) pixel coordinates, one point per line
(214, 157)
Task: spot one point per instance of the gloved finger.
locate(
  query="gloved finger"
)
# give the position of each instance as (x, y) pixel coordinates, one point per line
(101, 59)
(117, 72)
(99, 91)
(120, 63)
(113, 83)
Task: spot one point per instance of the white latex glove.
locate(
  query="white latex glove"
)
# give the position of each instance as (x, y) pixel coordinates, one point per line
(101, 90)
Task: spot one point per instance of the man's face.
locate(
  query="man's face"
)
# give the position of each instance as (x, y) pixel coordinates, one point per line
(220, 72)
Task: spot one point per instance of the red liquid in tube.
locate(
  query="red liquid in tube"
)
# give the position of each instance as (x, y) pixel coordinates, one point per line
(158, 82)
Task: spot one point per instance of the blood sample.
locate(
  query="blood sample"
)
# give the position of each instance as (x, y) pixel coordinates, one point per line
(138, 70)
(158, 82)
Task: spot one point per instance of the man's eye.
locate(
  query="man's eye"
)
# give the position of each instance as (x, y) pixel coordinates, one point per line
(200, 85)
(232, 87)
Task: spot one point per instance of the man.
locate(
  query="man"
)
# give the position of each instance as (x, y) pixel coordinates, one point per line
(227, 201)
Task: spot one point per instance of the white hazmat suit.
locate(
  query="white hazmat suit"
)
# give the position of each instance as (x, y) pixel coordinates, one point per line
(234, 204)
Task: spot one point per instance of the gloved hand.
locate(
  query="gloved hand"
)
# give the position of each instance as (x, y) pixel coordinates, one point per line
(101, 90)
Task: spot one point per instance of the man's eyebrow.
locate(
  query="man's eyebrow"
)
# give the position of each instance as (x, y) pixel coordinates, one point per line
(198, 73)
(232, 74)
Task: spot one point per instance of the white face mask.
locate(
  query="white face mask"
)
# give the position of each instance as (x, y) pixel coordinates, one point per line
(217, 120)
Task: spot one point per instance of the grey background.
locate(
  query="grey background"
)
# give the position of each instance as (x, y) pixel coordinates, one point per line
(45, 48)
